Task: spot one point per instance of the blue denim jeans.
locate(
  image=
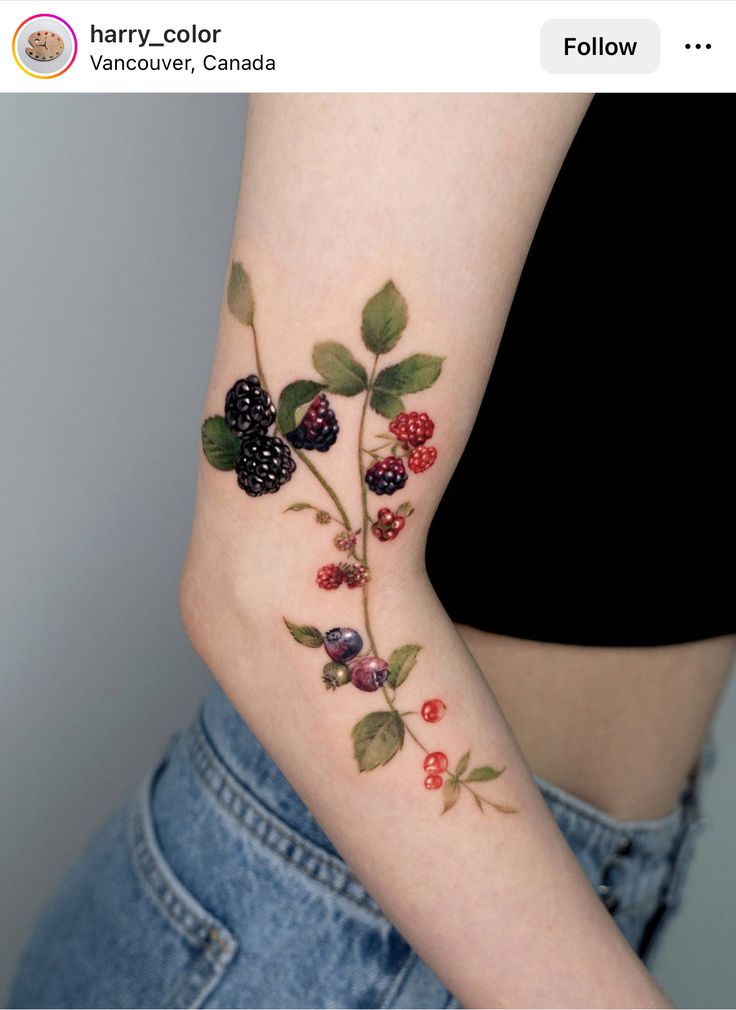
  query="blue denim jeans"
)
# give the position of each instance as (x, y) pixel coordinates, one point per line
(215, 887)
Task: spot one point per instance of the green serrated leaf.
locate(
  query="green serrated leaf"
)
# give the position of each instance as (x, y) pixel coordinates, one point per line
(305, 634)
(300, 506)
(377, 738)
(221, 446)
(400, 664)
(240, 295)
(293, 396)
(462, 765)
(343, 374)
(386, 404)
(450, 794)
(410, 375)
(484, 774)
(384, 318)
(405, 509)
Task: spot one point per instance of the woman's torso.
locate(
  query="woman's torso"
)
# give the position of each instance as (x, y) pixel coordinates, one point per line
(605, 437)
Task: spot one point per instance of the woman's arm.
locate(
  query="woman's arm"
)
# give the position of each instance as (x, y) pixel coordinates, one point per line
(392, 226)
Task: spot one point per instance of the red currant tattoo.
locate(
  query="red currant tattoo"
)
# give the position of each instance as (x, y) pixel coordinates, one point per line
(258, 441)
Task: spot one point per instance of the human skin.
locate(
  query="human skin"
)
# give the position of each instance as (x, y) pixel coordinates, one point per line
(440, 194)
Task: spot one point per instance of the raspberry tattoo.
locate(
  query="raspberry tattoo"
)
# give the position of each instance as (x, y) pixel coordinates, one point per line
(422, 459)
(330, 577)
(318, 428)
(355, 575)
(412, 429)
(386, 476)
(387, 526)
(346, 541)
(258, 440)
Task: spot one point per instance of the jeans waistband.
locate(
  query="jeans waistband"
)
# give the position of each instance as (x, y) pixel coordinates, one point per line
(250, 763)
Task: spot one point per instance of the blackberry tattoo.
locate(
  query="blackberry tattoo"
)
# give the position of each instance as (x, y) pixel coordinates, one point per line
(242, 440)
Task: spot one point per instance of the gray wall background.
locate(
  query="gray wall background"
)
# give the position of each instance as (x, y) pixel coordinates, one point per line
(116, 219)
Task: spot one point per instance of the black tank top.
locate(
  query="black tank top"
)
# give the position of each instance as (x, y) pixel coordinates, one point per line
(593, 504)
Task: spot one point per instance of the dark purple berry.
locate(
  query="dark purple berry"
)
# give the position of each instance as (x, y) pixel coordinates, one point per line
(248, 408)
(386, 476)
(264, 463)
(343, 644)
(368, 673)
(318, 428)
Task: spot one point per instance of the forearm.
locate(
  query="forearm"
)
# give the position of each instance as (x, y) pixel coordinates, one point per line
(488, 892)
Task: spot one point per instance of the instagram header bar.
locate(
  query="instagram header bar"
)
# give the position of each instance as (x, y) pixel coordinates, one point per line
(368, 45)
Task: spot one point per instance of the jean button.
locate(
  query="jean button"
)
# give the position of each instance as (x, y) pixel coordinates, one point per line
(624, 846)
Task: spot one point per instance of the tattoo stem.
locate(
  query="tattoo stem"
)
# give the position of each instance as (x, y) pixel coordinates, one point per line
(364, 505)
(313, 469)
(259, 363)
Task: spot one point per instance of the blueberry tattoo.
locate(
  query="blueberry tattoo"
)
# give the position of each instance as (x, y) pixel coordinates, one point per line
(258, 439)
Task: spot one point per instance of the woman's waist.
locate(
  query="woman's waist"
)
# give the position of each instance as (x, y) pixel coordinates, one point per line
(620, 728)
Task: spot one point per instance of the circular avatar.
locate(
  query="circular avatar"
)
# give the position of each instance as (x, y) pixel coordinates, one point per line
(44, 46)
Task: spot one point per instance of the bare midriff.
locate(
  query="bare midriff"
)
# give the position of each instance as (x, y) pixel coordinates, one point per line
(618, 727)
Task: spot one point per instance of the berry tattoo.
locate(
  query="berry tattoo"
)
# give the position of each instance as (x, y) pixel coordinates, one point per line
(422, 459)
(258, 440)
(248, 408)
(386, 476)
(318, 428)
(433, 710)
(330, 577)
(412, 429)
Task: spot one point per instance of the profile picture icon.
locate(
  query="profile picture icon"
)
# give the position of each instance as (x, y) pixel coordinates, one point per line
(44, 46)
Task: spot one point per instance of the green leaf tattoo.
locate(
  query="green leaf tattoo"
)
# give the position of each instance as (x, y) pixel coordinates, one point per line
(412, 375)
(484, 774)
(377, 738)
(305, 634)
(400, 664)
(450, 794)
(386, 404)
(462, 765)
(342, 373)
(293, 396)
(240, 295)
(220, 445)
(384, 319)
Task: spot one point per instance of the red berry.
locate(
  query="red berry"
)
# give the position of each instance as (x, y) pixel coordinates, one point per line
(388, 525)
(433, 710)
(330, 577)
(436, 762)
(345, 541)
(412, 429)
(433, 782)
(422, 459)
(368, 673)
(355, 576)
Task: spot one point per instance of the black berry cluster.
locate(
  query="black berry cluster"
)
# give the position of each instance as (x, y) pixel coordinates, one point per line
(264, 462)
(249, 409)
(318, 429)
(386, 476)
